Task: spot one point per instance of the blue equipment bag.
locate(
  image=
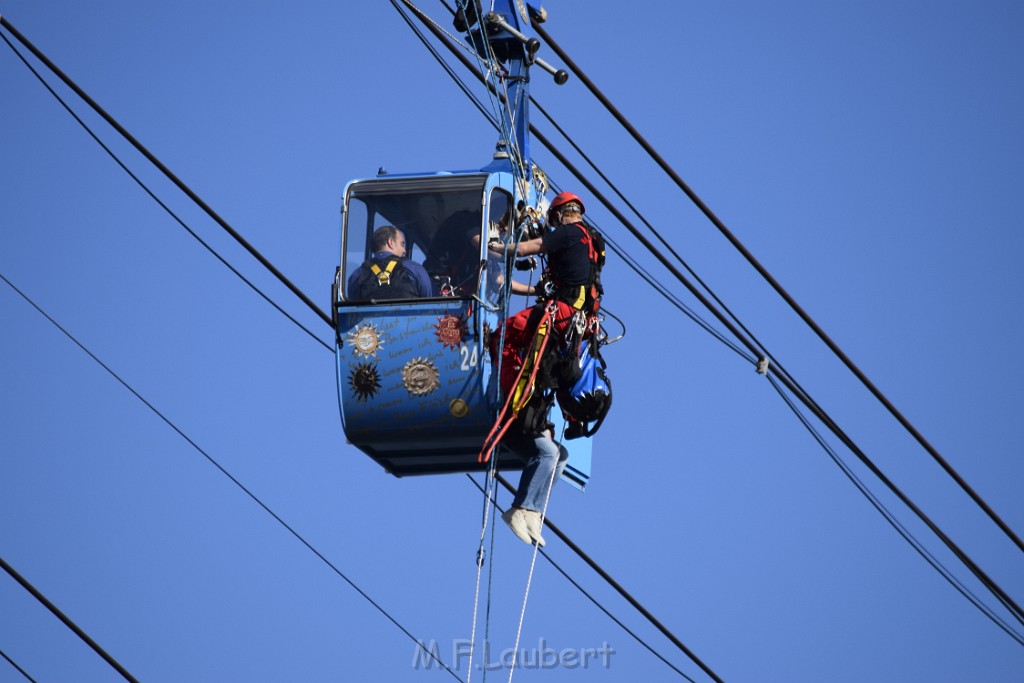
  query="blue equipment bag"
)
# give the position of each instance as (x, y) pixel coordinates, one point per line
(590, 397)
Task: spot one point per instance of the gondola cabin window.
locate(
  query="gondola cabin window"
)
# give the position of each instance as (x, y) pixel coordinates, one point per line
(441, 219)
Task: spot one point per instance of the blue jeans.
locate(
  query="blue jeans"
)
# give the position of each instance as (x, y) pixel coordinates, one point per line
(541, 455)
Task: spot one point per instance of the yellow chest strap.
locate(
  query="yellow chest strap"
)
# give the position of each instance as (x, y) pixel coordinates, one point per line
(384, 274)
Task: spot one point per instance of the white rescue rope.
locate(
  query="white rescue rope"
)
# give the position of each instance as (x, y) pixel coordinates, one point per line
(533, 561)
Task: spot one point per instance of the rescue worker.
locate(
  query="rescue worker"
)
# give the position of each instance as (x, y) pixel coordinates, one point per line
(575, 255)
(387, 274)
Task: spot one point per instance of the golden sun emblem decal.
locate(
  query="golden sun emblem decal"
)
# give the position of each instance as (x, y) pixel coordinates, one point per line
(450, 330)
(420, 377)
(365, 340)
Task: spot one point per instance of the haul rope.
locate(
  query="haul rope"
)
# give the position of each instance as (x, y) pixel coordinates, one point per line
(533, 560)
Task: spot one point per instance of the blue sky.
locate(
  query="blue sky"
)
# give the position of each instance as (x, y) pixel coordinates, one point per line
(866, 153)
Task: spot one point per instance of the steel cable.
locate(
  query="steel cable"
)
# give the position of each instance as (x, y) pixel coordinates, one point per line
(17, 668)
(56, 611)
(166, 171)
(784, 377)
(660, 161)
(213, 461)
(891, 518)
(152, 195)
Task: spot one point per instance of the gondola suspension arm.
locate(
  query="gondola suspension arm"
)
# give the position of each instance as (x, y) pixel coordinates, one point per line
(532, 45)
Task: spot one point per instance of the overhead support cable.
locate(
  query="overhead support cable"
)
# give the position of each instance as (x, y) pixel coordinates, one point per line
(665, 243)
(629, 260)
(163, 169)
(793, 386)
(598, 195)
(152, 195)
(546, 555)
(776, 367)
(234, 480)
(444, 65)
(754, 349)
(973, 567)
(64, 618)
(266, 263)
(669, 295)
(674, 300)
(891, 518)
(327, 318)
(18, 668)
(202, 204)
(621, 591)
(754, 346)
(658, 159)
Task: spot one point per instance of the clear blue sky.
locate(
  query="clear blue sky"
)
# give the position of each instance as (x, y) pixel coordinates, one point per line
(867, 152)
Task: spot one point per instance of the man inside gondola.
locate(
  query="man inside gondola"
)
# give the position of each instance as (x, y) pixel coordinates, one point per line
(387, 274)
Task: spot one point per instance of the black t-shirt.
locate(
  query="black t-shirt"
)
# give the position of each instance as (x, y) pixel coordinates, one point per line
(568, 254)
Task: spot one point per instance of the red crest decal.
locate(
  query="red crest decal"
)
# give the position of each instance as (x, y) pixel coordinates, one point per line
(451, 330)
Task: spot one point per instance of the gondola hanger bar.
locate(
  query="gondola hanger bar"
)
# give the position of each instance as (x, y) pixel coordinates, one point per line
(532, 45)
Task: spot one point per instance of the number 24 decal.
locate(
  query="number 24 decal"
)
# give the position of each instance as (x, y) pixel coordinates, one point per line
(469, 357)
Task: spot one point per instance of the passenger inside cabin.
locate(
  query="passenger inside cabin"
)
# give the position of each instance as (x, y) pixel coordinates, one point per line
(454, 259)
(497, 232)
(387, 274)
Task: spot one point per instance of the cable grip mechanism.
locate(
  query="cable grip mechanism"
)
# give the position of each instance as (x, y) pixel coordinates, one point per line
(532, 45)
(762, 366)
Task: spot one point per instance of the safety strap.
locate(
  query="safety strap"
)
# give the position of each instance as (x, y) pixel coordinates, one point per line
(384, 275)
(523, 386)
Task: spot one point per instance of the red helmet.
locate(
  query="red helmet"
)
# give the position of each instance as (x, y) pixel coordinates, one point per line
(561, 199)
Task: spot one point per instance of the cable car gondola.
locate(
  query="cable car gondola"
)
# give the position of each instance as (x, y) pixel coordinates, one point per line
(416, 386)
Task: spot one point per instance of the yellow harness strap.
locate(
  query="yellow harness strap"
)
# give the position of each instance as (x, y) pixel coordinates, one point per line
(384, 276)
(581, 298)
(524, 388)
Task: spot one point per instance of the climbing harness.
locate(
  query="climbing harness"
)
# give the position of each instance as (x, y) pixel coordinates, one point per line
(522, 389)
(384, 278)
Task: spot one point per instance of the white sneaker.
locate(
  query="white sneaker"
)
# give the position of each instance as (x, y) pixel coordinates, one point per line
(516, 519)
(534, 526)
